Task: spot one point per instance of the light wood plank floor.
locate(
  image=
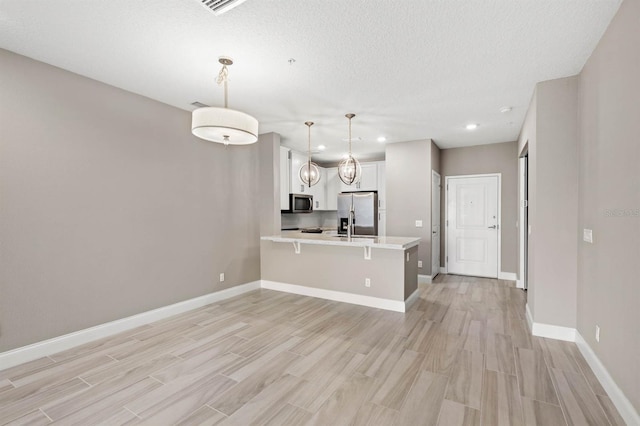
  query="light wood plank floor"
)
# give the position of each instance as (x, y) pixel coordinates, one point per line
(462, 355)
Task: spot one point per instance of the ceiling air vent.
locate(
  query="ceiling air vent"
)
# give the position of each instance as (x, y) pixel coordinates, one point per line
(199, 104)
(218, 7)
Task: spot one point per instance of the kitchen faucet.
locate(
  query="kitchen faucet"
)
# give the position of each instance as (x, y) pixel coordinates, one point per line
(352, 216)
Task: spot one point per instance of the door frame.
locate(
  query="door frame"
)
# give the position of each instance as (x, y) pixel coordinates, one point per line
(446, 218)
(523, 223)
(436, 272)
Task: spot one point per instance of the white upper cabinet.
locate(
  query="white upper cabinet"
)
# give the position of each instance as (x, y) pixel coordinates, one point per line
(332, 184)
(297, 160)
(368, 182)
(325, 193)
(319, 191)
(285, 180)
(294, 161)
(382, 190)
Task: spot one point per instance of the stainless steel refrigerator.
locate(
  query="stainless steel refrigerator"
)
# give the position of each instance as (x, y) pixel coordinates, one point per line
(365, 206)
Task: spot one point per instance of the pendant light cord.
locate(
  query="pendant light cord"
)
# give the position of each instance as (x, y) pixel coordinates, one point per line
(309, 124)
(223, 77)
(309, 145)
(350, 136)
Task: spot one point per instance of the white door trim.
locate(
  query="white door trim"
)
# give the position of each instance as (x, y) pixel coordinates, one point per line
(435, 272)
(446, 216)
(521, 230)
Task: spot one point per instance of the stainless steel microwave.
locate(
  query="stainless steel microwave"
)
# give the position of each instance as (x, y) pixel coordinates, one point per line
(300, 203)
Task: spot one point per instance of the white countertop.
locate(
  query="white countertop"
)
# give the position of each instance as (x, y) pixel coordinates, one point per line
(332, 239)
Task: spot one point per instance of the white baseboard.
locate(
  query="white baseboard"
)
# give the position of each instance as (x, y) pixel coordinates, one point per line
(67, 341)
(622, 403)
(519, 284)
(411, 299)
(443, 270)
(424, 279)
(550, 331)
(338, 296)
(554, 332)
(511, 276)
(529, 317)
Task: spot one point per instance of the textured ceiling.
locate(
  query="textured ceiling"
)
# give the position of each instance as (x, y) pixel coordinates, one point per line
(410, 69)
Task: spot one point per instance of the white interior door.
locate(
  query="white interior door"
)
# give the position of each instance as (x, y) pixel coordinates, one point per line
(435, 223)
(473, 225)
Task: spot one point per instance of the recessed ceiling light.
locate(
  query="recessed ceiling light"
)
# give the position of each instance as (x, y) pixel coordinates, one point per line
(472, 126)
(505, 109)
(382, 139)
(321, 147)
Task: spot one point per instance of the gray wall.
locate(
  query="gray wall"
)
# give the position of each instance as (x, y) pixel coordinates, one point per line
(408, 187)
(435, 157)
(269, 152)
(342, 268)
(527, 144)
(553, 202)
(555, 208)
(483, 159)
(581, 134)
(609, 177)
(110, 207)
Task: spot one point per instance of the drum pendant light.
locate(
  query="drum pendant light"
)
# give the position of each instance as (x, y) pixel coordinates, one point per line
(309, 172)
(349, 169)
(224, 125)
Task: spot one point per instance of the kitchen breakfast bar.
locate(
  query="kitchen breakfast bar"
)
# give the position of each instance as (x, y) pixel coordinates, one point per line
(380, 272)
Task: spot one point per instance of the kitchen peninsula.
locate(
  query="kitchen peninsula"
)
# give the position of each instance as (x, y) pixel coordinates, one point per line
(380, 272)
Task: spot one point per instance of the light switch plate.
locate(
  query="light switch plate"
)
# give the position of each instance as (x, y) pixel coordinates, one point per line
(587, 235)
(222, 277)
(418, 224)
(419, 263)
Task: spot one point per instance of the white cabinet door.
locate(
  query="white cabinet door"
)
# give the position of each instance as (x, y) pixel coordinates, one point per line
(332, 184)
(368, 181)
(319, 191)
(296, 185)
(382, 223)
(382, 190)
(285, 169)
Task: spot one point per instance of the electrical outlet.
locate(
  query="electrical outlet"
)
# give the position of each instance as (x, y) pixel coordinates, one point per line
(597, 333)
(419, 263)
(587, 235)
(367, 282)
(418, 224)
(222, 277)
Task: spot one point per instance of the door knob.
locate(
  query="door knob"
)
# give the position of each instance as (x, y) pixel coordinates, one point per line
(492, 227)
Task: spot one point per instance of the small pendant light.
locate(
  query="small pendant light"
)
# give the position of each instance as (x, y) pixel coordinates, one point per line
(349, 169)
(309, 172)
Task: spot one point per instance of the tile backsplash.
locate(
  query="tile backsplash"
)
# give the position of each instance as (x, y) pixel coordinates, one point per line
(322, 219)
